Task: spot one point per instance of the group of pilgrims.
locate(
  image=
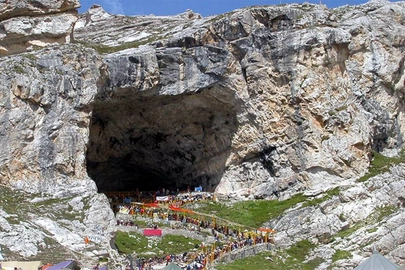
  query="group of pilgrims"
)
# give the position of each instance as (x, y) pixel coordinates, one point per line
(168, 209)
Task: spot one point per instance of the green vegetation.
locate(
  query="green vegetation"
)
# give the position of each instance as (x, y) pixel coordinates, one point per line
(128, 243)
(377, 216)
(31, 56)
(258, 261)
(19, 69)
(349, 231)
(380, 213)
(175, 244)
(292, 258)
(251, 213)
(329, 194)
(254, 213)
(312, 264)
(340, 255)
(300, 250)
(372, 230)
(381, 164)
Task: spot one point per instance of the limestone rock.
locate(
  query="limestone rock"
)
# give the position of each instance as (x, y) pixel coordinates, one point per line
(303, 101)
(370, 215)
(262, 102)
(45, 117)
(15, 8)
(27, 25)
(57, 224)
(128, 31)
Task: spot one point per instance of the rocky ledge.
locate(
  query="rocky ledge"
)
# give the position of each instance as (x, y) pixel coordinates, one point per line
(262, 102)
(27, 25)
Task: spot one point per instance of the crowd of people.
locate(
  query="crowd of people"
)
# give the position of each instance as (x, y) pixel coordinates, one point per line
(227, 237)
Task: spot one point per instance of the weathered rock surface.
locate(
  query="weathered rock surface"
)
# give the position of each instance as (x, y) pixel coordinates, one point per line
(27, 25)
(263, 102)
(304, 99)
(44, 115)
(361, 218)
(52, 229)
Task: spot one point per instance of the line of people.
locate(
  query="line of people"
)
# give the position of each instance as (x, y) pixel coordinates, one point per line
(227, 239)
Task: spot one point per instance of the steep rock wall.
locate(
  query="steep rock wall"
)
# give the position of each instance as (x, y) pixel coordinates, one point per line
(313, 91)
(262, 102)
(27, 25)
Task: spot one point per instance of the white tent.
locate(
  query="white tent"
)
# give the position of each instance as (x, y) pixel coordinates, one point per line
(26, 265)
(377, 262)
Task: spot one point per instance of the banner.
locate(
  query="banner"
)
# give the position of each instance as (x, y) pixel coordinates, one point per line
(152, 232)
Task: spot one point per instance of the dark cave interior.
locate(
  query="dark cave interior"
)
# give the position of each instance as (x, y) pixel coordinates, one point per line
(152, 142)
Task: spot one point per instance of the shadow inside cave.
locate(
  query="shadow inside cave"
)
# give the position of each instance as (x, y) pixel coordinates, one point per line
(141, 142)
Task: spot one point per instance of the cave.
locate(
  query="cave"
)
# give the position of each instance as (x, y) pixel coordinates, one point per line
(140, 140)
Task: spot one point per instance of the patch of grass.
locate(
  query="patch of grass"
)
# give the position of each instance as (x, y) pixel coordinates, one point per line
(380, 164)
(385, 211)
(127, 243)
(314, 263)
(340, 255)
(300, 250)
(258, 261)
(251, 213)
(176, 244)
(31, 56)
(292, 258)
(329, 194)
(349, 231)
(375, 217)
(372, 230)
(18, 69)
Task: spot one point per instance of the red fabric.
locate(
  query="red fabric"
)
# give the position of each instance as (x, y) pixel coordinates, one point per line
(173, 208)
(152, 232)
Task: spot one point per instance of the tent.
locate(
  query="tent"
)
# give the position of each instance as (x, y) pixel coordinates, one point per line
(172, 266)
(377, 262)
(26, 265)
(64, 265)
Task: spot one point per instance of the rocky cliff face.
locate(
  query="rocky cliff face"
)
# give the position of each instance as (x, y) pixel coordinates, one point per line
(27, 25)
(254, 103)
(45, 112)
(262, 102)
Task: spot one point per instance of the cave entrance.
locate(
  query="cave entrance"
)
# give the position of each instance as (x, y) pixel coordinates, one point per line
(152, 142)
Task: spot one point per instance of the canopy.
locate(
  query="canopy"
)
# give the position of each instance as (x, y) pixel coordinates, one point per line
(377, 262)
(21, 264)
(63, 265)
(173, 208)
